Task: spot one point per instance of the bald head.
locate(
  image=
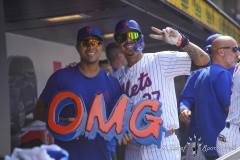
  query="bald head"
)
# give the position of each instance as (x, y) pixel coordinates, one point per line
(223, 41)
(222, 52)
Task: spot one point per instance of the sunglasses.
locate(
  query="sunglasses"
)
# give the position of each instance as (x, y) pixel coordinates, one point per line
(234, 49)
(134, 36)
(90, 43)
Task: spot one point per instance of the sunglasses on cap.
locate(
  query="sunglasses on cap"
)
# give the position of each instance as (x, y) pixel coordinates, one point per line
(134, 36)
(90, 43)
(234, 49)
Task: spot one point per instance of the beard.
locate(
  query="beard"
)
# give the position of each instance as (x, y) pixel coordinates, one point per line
(130, 53)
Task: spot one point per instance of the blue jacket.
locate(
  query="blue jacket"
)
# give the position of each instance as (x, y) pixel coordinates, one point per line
(212, 96)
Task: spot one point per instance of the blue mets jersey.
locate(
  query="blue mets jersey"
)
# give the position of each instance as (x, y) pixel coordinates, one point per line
(187, 99)
(87, 88)
(212, 96)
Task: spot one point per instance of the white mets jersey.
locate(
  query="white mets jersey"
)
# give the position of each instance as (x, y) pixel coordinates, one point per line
(234, 109)
(153, 78)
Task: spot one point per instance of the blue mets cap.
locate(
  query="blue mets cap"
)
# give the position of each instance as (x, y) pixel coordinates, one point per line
(209, 42)
(127, 24)
(88, 31)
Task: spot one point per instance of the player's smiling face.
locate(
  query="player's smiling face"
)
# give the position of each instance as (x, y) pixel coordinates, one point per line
(127, 45)
(90, 49)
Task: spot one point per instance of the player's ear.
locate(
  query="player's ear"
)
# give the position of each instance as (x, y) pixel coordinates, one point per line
(101, 47)
(221, 52)
(119, 55)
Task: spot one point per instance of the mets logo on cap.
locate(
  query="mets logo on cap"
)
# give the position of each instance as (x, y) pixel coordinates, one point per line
(89, 30)
(213, 38)
(125, 23)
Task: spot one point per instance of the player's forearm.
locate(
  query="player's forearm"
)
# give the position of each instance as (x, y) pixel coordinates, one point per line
(199, 57)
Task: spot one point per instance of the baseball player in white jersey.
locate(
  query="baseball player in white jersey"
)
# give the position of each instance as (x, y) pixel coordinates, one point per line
(151, 76)
(229, 138)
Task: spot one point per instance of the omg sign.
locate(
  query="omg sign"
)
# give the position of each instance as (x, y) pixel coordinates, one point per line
(142, 121)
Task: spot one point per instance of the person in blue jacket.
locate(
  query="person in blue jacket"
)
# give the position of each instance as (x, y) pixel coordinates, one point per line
(187, 102)
(212, 92)
(84, 79)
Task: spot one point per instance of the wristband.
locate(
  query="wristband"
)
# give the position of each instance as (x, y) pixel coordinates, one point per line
(185, 40)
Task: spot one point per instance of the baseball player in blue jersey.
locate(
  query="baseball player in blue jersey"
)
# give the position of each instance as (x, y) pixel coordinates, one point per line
(84, 79)
(229, 138)
(187, 108)
(151, 76)
(212, 94)
(187, 99)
